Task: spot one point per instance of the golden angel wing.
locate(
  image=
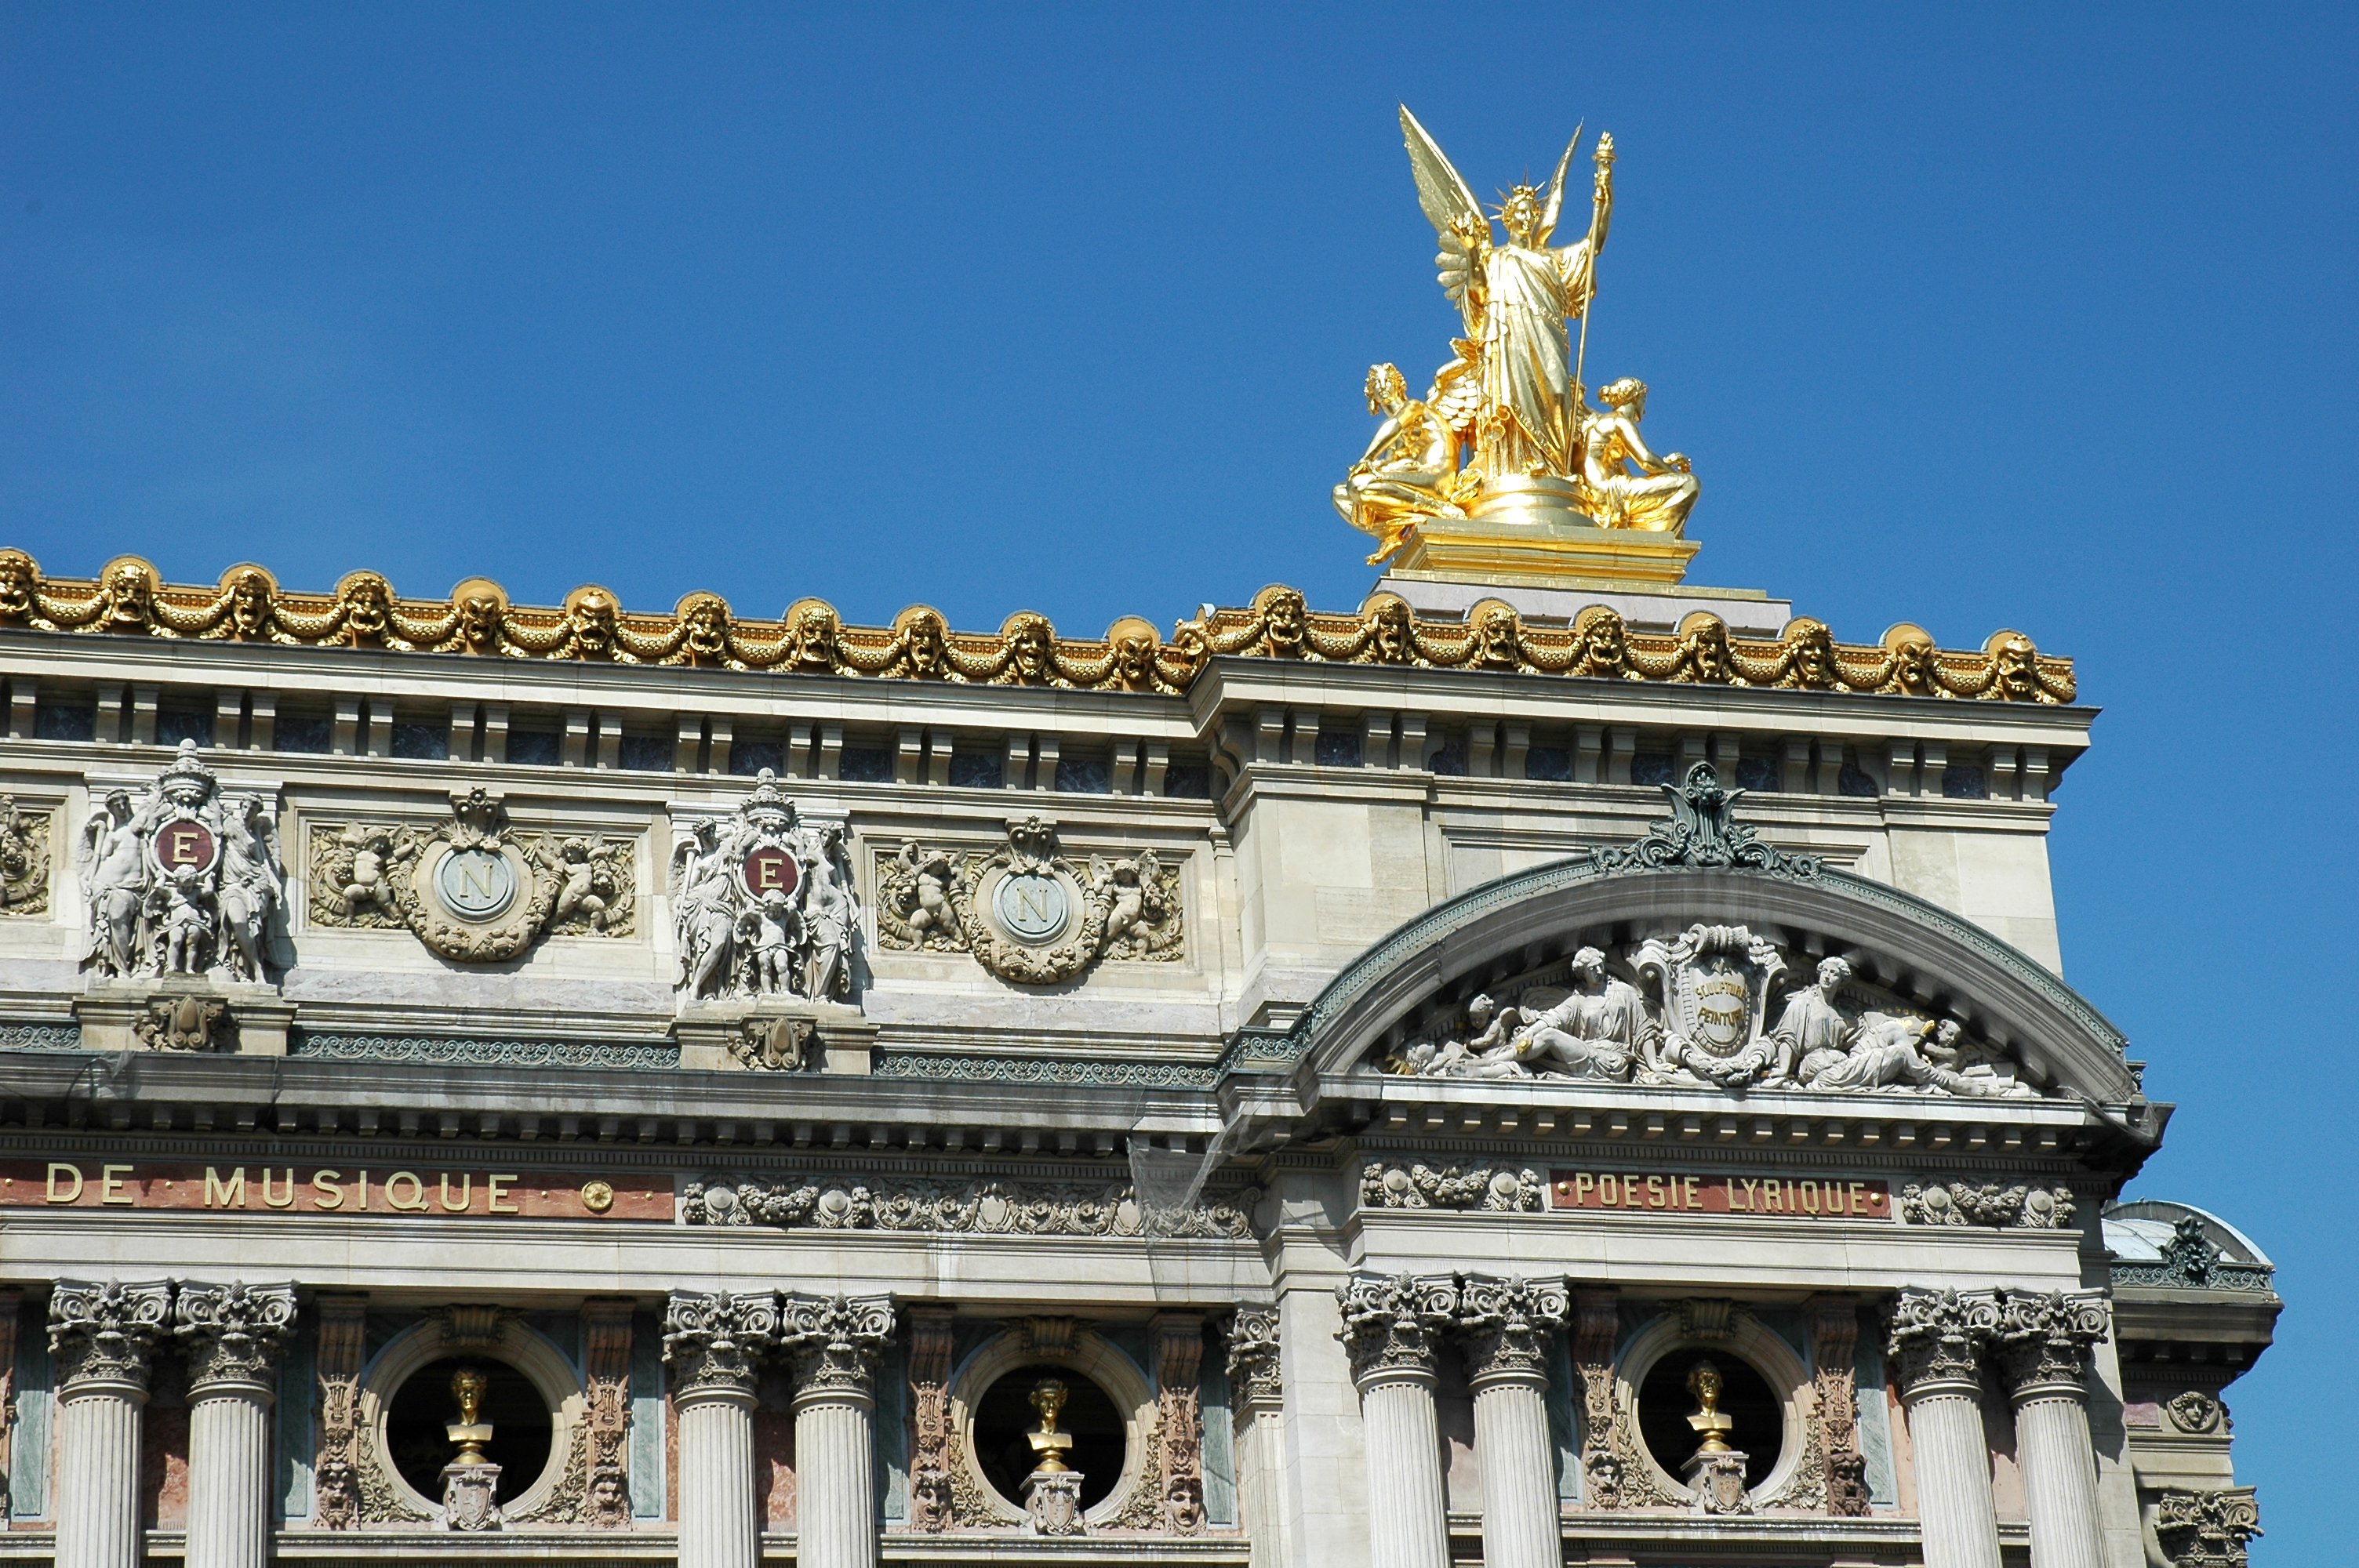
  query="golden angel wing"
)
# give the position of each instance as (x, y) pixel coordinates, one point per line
(1554, 208)
(1448, 205)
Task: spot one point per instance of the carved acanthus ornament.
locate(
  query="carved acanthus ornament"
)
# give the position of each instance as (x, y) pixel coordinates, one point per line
(1938, 1337)
(1488, 1188)
(1256, 1364)
(604, 1501)
(2017, 1207)
(184, 1023)
(965, 1207)
(1509, 1327)
(932, 1462)
(232, 1333)
(2043, 1341)
(1834, 1340)
(1596, 1341)
(471, 887)
(24, 859)
(763, 904)
(2208, 1529)
(1393, 1323)
(184, 879)
(104, 1333)
(127, 598)
(1179, 1421)
(1029, 914)
(713, 1340)
(339, 1463)
(834, 1341)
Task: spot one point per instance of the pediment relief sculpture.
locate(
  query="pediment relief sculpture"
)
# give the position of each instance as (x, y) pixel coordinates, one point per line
(763, 905)
(184, 880)
(1705, 1007)
(471, 887)
(1029, 912)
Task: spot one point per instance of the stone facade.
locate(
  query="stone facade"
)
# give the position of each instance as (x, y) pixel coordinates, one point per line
(1369, 1087)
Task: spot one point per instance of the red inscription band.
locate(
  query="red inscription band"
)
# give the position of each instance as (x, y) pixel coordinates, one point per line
(769, 868)
(1780, 1196)
(182, 844)
(380, 1189)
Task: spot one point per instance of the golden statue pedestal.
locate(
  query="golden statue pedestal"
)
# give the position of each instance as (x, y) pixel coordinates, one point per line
(1527, 531)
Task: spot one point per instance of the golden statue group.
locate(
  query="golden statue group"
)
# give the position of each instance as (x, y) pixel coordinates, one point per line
(1505, 436)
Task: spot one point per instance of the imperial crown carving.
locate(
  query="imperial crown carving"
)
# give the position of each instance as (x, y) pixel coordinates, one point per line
(471, 887)
(763, 904)
(184, 880)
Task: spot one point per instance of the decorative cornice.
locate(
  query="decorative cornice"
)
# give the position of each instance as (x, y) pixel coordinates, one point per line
(2043, 1341)
(835, 1341)
(232, 1332)
(1509, 1325)
(611, 1056)
(103, 1333)
(1257, 1372)
(1392, 1323)
(958, 1067)
(247, 605)
(1939, 1336)
(712, 1340)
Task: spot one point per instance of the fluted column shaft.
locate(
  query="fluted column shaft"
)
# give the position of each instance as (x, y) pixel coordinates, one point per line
(229, 1475)
(102, 1335)
(1390, 1327)
(1938, 1338)
(1507, 1328)
(717, 1526)
(835, 1341)
(2044, 1342)
(835, 1488)
(232, 1333)
(1257, 1387)
(712, 1342)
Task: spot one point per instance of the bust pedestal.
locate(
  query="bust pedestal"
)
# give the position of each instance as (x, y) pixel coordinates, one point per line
(1053, 1498)
(1717, 1479)
(467, 1496)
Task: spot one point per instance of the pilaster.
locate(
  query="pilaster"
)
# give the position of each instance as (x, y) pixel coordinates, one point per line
(1257, 1400)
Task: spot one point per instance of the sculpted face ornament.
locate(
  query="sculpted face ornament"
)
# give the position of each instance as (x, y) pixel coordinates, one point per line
(249, 606)
(706, 627)
(1810, 648)
(1705, 652)
(1604, 643)
(480, 615)
(1496, 634)
(1030, 650)
(368, 608)
(814, 638)
(2017, 665)
(130, 597)
(927, 644)
(1391, 637)
(590, 618)
(1284, 632)
(18, 580)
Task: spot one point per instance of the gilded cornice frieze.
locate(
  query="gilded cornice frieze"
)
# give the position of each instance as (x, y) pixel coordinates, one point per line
(247, 605)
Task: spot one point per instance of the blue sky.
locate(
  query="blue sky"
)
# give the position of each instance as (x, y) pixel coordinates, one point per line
(1974, 316)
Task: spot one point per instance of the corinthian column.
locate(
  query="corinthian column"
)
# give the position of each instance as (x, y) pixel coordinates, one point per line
(1937, 1338)
(1257, 1396)
(2043, 1343)
(102, 1336)
(1390, 1328)
(1507, 1328)
(233, 1335)
(711, 1343)
(835, 1342)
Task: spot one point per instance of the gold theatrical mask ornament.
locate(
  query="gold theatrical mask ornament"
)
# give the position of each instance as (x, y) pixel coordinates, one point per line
(1503, 470)
(127, 599)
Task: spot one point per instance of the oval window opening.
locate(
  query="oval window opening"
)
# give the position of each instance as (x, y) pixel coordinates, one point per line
(1665, 1402)
(1005, 1416)
(423, 1408)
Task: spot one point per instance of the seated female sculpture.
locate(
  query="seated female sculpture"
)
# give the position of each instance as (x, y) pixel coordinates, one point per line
(1659, 498)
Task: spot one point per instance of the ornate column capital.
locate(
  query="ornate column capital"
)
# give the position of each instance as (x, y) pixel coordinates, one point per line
(232, 1333)
(2207, 1529)
(2043, 1341)
(103, 1334)
(835, 1341)
(1508, 1327)
(1392, 1323)
(712, 1340)
(1257, 1376)
(1937, 1338)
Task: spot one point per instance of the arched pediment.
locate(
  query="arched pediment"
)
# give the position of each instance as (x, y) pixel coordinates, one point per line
(1694, 959)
